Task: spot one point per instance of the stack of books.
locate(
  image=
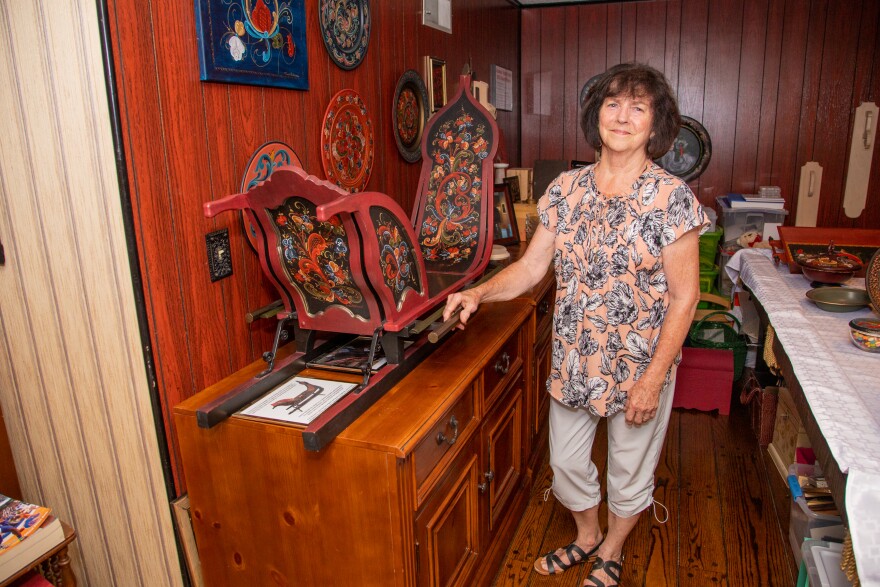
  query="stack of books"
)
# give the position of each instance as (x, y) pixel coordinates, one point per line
(27, 532)
(756, 201)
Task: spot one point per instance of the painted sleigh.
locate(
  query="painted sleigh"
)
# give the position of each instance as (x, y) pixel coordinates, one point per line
(357, 264)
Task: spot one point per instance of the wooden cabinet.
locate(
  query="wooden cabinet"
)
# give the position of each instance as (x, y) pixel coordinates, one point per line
(425, 488)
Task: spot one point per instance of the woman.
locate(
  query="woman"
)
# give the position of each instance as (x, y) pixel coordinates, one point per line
(623, 235)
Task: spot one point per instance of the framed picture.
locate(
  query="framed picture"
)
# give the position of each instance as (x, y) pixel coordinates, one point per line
(512, 184)
(435, 80)
(501, 93)
(506, 232)
(244, 44)
(524, 174)
(690, 153)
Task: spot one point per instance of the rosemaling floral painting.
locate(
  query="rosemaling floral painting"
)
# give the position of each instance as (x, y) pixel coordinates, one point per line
(257, 42)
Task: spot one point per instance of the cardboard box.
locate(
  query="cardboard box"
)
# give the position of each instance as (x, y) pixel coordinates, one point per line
(788, 433)
(704, 380)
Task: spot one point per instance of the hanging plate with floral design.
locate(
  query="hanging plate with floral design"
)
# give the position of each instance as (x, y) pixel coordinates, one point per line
(263, 162)
(410, 114)
(347, 142)
(345, 28)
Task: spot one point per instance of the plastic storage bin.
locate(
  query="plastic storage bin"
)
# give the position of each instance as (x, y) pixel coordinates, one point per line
(804, 522)
(821, 560)
(707, 279)
(737, 221)
(709, 248)
(724, 282)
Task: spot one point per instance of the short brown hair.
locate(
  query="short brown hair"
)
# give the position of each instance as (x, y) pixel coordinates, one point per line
(634, 79)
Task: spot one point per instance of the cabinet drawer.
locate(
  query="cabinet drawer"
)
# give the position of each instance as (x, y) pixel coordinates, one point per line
(501, 368)
(544, 311)
(443, 439)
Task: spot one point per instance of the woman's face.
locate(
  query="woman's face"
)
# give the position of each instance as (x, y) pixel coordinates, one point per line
(625, 123)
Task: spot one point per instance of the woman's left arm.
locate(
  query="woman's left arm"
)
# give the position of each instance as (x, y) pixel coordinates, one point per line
(681, 264)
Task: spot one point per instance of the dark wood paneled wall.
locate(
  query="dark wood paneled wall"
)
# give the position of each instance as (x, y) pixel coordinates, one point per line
(187, 142)
(775, 82)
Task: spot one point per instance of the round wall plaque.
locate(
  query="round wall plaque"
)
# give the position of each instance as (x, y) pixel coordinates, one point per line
(410, 114)
(345, 28)
(347, 142)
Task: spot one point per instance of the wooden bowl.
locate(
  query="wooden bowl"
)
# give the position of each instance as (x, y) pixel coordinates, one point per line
(830, 268)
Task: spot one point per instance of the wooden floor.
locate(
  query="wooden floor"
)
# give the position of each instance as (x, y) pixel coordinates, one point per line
(728, 515)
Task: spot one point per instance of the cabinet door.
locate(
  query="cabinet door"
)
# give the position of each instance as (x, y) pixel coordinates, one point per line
(447, 527)
(503, 451)
(542, 372)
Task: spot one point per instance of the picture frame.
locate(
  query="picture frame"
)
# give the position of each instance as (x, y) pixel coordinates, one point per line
(435, 82)
(253, 48)
(512, 184)
(501, 87)
(504, 222)
(690, 153)
(524, 174)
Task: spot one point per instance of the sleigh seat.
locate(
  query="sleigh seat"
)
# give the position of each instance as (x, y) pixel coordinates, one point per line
(357, 263)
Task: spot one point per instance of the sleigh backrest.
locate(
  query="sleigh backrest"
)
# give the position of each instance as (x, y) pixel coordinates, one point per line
(453, 208)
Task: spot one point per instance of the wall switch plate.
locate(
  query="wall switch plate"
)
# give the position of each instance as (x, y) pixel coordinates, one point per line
(219, 254)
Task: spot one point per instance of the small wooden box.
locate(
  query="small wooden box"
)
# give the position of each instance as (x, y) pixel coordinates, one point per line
(788, 433)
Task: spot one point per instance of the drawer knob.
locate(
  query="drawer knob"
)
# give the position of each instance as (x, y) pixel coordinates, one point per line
(489, 475)
(441, 438)
(502, 365)
(544, 308)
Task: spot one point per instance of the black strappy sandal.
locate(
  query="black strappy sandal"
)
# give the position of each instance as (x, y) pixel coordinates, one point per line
(611, 568)
(557, 565)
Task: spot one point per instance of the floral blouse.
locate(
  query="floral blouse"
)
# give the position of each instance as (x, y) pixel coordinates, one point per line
(611, 294)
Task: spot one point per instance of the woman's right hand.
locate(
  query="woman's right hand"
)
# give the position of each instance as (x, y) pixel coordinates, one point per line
(467, 301)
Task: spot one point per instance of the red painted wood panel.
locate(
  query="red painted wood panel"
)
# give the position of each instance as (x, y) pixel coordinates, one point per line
(650, 33)
(749, 96)
(692, 65)
(530, 118)
(786, 163)
(810, 96)
(769, 94)
(592, 23)
(552, 83)
(571, 127)
(835, 110)
(723, 44)
(614, 43)
(188, 142)
(672, 46)
(834, 113)
(869, 44)
(776, 84)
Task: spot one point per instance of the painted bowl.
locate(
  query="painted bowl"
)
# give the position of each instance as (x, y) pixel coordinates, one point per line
(865, 334)
(830, 268)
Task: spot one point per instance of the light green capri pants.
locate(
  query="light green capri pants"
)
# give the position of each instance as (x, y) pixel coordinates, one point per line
(633, 454)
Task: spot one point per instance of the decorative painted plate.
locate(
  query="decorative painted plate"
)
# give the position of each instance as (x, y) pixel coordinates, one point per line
(345, 28)
(690, 153)
(410, 114)
(263, 162)
(347, 142)
(872, 280)
(585, 89)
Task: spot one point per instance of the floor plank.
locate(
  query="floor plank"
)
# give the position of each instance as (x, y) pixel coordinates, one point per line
(728, 515)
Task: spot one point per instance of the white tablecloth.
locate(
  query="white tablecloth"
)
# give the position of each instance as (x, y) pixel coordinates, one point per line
(841, 384)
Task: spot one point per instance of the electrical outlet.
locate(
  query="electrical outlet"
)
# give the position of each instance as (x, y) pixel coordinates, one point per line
(219, 254)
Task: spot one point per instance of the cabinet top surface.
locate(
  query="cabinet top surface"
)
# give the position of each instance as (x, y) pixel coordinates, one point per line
(429, 389)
